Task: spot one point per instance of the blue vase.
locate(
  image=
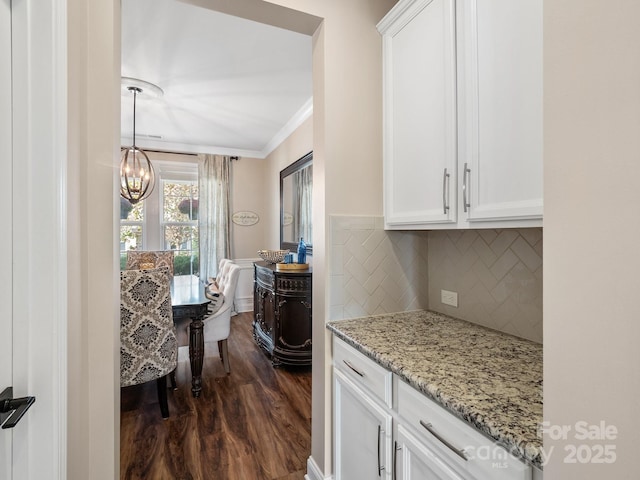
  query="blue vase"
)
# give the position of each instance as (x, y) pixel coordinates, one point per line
(302, 251)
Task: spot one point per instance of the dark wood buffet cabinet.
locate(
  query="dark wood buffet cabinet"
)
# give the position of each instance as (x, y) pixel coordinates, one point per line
(282, 313)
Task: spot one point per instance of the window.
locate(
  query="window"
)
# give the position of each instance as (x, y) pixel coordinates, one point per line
(167, 220)
(180, 224)
(131, 228)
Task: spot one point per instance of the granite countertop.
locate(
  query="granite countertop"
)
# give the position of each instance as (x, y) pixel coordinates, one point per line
(489, 379)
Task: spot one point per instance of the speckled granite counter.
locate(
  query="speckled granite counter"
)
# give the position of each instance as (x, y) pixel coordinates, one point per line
(491, 380)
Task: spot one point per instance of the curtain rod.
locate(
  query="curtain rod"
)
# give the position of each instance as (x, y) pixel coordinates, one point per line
(233, 157)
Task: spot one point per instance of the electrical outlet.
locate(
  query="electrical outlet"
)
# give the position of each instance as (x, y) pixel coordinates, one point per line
(449, 298)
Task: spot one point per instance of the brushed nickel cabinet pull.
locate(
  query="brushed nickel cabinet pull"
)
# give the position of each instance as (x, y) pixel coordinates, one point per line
(461, 453)
(353, 368)
(445, 191)
(465, 187)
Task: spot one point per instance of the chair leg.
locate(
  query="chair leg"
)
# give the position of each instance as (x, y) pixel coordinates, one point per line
(172, 380)
(161, 383)
(224, 354)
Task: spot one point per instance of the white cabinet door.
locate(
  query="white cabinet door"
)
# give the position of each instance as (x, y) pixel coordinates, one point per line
(414, 460)
(362, 433)
(500, 109)
(419, 113)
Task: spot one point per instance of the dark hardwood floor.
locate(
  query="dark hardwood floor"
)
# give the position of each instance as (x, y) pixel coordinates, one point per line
(253, 424)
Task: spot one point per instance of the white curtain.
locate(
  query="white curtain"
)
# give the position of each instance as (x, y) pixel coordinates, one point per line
(302, 191)
(214, 217)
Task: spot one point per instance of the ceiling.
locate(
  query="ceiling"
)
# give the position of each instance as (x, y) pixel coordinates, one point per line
(231, 86)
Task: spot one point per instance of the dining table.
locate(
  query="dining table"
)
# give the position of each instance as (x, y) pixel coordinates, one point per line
(189, 301)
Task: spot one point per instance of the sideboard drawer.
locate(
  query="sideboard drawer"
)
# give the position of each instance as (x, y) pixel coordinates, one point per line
(363, 371)
(265, 277)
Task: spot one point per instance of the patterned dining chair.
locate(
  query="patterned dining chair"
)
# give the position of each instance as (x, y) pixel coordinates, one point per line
(148, 345)
(144, 259)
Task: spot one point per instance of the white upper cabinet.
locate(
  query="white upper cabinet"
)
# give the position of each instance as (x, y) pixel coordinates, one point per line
(500, 106)
(463, 114)
(420, 113)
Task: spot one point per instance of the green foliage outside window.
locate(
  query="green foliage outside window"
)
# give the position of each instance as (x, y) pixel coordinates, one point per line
(179, 225)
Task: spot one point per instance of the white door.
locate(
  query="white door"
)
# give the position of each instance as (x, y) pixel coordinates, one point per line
(362, 433)
(5, 213)
(420, 115)
(32, 286)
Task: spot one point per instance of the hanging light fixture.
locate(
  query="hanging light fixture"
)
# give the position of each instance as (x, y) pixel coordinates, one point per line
(137, 177)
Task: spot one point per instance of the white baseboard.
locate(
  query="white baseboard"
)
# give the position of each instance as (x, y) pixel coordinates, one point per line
(314, 472)
(244, 304)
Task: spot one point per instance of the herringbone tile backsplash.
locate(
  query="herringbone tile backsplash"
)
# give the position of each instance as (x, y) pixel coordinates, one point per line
(373, 271)
(497, 273)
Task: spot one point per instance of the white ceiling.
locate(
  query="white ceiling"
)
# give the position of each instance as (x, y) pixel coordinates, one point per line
(231, 86)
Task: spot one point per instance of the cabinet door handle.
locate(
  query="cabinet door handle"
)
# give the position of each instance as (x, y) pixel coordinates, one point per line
(445, 191)
(395, 459)
(353, 368)
(461, 453)
(465, 187)
(380, 467)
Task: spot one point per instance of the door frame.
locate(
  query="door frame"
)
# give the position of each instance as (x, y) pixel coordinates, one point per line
(39, 287)
(6, 242)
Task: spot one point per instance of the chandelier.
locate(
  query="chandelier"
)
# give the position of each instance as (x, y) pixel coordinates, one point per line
(137, 177)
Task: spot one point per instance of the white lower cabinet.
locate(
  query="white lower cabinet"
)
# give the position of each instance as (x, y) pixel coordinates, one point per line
(363, 431)
(415, 460)
(386, 429)
(443, 439)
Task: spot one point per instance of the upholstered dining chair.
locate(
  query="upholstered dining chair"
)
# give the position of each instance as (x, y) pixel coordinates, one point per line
(218, 325)
(221, 267)
(148, 345)
(144, 259)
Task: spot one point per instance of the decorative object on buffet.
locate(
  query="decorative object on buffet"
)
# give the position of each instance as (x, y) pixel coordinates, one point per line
(302, 251)
(301, 264)
(272, 256)
(137, 177)
(280, 267)
(246, 219)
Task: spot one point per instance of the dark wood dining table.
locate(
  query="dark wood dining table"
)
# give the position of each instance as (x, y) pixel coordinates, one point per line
(188, 301)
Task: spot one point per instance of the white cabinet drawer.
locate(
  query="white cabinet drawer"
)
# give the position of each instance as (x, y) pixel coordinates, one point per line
(363, 371)
(461, 445)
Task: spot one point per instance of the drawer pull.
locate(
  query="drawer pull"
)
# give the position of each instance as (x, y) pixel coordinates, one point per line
(353, 368)
(460, 453)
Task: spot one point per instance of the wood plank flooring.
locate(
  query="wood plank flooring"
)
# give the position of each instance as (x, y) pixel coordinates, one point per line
(254, 424)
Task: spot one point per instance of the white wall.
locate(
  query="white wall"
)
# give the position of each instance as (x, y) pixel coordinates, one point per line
(347, 160)
(250, 187)
(93, 314)
(592, 230)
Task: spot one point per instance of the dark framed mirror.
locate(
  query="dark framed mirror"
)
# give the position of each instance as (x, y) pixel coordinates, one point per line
(296, 192)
